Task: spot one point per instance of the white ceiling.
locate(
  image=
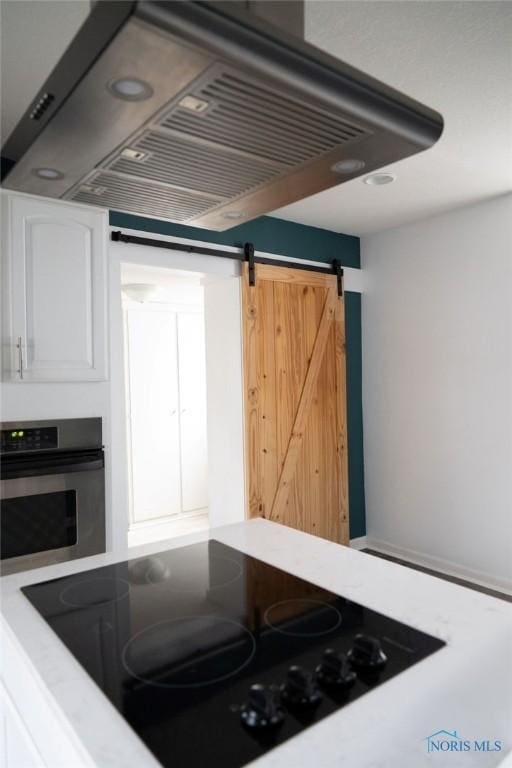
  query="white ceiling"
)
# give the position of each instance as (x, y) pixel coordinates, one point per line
(140, 273)
(455, 56)
(171, 287)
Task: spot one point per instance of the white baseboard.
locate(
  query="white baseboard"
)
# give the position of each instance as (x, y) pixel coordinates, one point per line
(447, 567)
(359, 543)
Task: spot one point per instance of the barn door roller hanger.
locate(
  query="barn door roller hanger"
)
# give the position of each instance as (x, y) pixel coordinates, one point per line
(252, 260)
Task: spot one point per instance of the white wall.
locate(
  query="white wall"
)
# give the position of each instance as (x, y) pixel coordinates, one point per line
(437, 391)
(226, 479)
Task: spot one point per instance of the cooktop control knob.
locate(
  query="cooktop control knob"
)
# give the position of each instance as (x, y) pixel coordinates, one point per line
(263, 708)
(300, 688)
(335, 670)
(367, 653)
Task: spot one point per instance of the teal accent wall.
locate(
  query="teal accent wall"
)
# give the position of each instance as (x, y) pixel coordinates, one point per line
(355, 414)
(300, 241)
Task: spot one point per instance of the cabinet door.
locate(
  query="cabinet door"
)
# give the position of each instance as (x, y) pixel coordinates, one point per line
(154, 423)
(192, 381)
(17, 750)
(57, 275)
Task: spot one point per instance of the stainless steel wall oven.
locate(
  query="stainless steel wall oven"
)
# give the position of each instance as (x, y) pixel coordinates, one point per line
(52, 491)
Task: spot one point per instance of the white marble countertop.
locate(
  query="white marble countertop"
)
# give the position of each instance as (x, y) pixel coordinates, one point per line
(466, 686)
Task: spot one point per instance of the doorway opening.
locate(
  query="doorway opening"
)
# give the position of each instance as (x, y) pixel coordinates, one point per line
(166, 402)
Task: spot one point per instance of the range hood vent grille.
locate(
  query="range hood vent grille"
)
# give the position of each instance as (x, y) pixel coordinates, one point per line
(220, 139)
(256, 119)
(127, 194)
(213, 171)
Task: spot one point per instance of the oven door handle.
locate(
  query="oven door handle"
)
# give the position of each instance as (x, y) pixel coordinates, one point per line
(64, 463)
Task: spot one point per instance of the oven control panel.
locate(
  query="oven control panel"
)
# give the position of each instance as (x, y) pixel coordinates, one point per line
(34, 439)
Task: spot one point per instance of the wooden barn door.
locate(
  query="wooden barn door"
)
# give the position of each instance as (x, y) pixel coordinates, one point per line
(295, 400)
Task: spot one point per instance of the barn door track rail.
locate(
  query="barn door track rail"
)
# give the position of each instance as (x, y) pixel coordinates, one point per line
(247, 253)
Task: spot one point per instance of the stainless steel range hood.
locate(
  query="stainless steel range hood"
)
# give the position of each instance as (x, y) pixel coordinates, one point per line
(204, 114)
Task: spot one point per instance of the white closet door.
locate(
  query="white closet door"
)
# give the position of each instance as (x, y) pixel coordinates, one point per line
(192, 384)
(154, 406)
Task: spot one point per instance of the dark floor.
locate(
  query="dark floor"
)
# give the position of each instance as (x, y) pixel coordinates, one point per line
(454, 579)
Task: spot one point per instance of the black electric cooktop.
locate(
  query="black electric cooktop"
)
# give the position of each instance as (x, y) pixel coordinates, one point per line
(214, 657)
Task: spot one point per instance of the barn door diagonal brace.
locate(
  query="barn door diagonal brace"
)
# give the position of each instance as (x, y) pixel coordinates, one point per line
(303, 408)
(249, 257)
(336, 265)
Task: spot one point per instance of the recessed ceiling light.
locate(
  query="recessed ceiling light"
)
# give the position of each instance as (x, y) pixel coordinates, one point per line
(233, 215)
(48, 173)
(350, 165)
(379, 179)
(130, 89)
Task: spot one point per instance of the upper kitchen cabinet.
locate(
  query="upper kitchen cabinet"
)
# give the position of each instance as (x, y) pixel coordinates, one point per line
(54, 291)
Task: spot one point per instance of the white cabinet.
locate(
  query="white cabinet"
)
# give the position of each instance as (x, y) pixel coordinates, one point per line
(17, 750)
(167, 406)
(54, 291)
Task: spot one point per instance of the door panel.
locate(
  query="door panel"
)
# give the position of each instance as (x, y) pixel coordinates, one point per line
(57, 307)
(58, 251)
(154, 409)
(295, 397)
(192, 384)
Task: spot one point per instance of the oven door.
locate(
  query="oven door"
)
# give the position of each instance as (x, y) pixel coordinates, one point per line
(52, 508)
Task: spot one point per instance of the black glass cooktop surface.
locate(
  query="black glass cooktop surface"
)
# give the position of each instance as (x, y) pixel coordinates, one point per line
(214, 657)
